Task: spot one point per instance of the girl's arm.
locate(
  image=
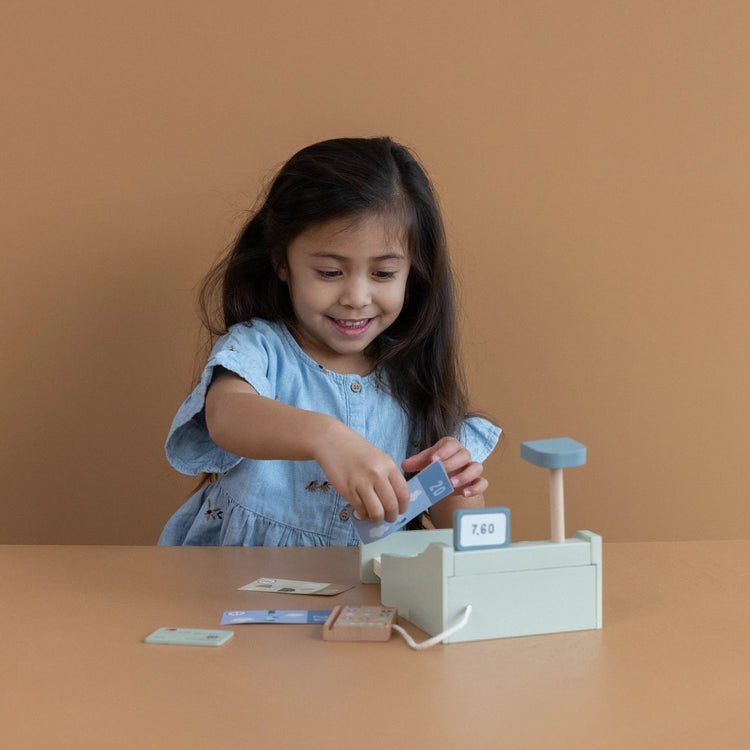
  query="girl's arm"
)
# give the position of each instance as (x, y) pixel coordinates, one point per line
(465, 475)
(242, 422)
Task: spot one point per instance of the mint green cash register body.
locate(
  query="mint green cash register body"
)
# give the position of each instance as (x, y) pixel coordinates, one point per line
(527, 588)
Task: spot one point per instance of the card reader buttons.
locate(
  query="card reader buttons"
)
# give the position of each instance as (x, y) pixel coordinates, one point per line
(363, 623)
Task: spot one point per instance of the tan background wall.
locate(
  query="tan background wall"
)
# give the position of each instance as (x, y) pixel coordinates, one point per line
(593, 160)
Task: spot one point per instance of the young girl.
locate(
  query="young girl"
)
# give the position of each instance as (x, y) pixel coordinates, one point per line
(336, 368)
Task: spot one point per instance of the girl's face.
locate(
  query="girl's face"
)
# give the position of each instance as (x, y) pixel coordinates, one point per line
(347, 280)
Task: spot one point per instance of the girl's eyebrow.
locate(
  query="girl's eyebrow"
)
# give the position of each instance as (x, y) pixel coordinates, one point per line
(343, 258)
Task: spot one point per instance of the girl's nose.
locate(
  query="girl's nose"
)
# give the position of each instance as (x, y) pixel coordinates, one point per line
(356, 293)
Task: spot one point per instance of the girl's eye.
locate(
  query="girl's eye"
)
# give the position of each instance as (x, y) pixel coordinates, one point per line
(329, 274)
(385, 274)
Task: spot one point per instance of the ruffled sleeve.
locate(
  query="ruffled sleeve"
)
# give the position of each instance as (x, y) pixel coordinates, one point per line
(480, 437)
(189, 446)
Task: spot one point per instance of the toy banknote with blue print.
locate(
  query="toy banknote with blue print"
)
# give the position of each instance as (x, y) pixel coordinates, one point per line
(427, 487)
(275, 616)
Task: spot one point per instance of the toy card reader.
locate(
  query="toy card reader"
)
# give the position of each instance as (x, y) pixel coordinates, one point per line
(359, 623)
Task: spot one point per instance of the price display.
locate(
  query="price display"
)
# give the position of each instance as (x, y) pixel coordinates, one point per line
(481, 528)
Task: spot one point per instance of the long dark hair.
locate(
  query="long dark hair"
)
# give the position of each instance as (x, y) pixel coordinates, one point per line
(348, 177)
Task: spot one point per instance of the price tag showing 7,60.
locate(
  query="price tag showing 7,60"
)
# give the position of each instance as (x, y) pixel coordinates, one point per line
(481, 528)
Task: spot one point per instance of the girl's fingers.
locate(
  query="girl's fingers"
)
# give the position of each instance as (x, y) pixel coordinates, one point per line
(371, 507)
(477, 487)
(465, 474)
(444, 450)
(385, 501)
(401, 491)
(468, 474)
(388, 501)
(418, 461)
(458, 463)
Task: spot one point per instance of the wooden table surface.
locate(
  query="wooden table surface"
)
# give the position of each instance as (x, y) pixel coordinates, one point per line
(670, 669)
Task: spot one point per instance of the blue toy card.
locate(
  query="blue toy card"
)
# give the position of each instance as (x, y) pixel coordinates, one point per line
(427, 487)
(277, 616)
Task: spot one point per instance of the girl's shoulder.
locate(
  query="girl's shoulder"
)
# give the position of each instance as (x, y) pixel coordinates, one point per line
(252, 335)
(260, 341)
(255, 328)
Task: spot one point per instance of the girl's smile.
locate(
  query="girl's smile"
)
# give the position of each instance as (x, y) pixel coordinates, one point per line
(347, 281)
(353, 327)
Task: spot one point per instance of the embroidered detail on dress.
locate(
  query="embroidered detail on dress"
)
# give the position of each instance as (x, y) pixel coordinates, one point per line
(316, 486)
(214, 514)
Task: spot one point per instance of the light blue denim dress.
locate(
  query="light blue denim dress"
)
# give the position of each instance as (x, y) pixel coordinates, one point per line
(283, 503)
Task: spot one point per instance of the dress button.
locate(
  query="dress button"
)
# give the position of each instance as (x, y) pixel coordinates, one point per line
(356, 387)
(344, 515)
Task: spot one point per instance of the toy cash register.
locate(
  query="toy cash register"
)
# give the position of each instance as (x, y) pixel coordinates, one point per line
(523, 588)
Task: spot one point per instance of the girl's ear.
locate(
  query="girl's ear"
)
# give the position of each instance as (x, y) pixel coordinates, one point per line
(280, 267)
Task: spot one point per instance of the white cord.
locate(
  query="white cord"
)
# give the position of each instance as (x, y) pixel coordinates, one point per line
(437, 638)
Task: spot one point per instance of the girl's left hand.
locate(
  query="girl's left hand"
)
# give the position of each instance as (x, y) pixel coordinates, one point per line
(465, 474)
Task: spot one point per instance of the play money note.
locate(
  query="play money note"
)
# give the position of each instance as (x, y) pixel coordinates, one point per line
(427, 487)
(286, 586)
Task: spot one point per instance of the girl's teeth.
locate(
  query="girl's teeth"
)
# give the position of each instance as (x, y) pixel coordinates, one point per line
(352, 323)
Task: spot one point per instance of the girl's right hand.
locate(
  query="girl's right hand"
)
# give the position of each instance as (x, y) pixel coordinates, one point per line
(366, 477)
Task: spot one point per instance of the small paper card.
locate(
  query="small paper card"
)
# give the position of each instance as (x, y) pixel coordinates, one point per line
(279, 616)
(427, 487)
(285, 586)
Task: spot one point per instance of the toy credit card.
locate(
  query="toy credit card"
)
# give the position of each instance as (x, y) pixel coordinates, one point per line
(280, 616)
(189, 637)
(427, 487)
